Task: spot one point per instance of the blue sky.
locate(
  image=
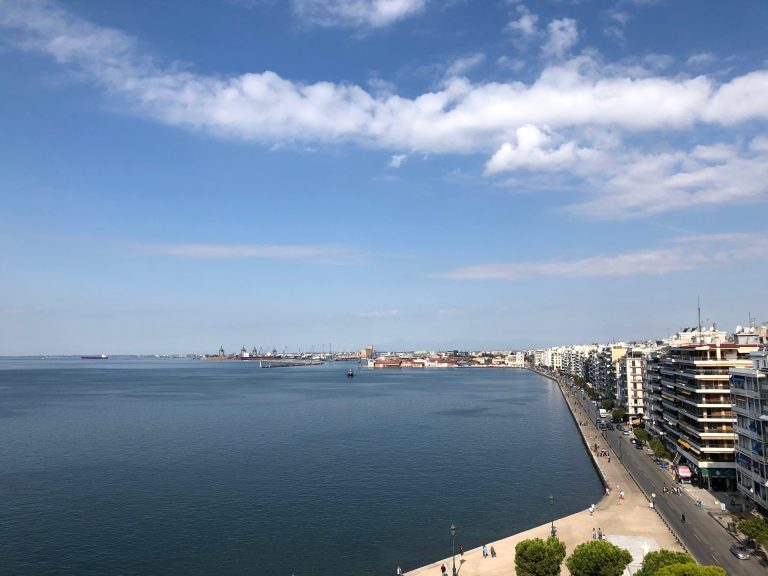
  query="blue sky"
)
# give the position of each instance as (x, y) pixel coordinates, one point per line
(301, 174)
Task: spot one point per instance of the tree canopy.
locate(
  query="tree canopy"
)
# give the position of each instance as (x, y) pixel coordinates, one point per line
(756, 528)
(598, 558)
(690, 569)
(537, 557)
(654, 561)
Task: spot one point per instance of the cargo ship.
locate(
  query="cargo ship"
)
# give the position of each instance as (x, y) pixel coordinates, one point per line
(95, 357)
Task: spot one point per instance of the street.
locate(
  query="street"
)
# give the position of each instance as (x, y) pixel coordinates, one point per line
(705, 539)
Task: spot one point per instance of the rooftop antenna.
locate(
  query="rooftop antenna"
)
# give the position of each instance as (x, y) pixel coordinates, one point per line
(698, 304)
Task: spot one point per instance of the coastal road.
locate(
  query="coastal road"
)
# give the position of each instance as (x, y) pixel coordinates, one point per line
(701, 534)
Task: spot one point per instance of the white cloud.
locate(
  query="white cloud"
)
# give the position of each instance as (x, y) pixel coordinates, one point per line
(689, 253)
(397, 160)
(367, 13)
(525, 26)
(462, 65)
(532, 150)
(514, 64)
(563, 35)
(575, 99)
(325, 254)
(379, 314)
(641, 184)
(700, 59)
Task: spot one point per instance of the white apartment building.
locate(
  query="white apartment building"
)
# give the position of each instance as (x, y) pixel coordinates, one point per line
(697, 417)
(630, 384)
(749, 393)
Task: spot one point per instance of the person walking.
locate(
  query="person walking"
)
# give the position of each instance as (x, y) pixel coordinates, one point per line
(682, 518)
(485, 552)
(594, 534)
(599, 533)
(592, 510)
(461, 550)
(493, 552)
(399, 571)
(442, 569)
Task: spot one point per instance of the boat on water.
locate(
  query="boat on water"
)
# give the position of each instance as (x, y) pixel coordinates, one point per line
(350, 373)
(95, 357)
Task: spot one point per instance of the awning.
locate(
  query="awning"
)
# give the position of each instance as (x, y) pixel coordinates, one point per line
(683, 471)
(718, 472)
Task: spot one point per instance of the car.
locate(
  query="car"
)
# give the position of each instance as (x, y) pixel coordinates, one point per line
(739, 551)
(626, 432)
(639, 445)
(610, 427)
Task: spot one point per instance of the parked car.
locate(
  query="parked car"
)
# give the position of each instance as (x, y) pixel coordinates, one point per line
(639, 445)
(626, 432)
(739, 551)
(610, 427)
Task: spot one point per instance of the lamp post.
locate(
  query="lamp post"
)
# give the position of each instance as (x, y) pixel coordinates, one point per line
(551, 509)
(453, 548)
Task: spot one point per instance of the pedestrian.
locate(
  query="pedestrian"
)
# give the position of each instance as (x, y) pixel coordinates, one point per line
(442, 569)
(621, 495)
(461, 550)
(599, 533)
(485, 552)
(399, 571)
(609, 458)
(493, 552)
(591, 509)
(594, 534)
(682, 518)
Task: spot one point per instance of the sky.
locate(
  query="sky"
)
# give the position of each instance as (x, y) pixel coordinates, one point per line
(411, 174)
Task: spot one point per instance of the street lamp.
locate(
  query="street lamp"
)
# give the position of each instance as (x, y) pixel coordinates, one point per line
(453, 547)
(551, 508)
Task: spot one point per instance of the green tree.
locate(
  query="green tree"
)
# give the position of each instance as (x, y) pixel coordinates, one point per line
(659, 450)
(537, 557)
(598, 558)
(756, 528)
(641, 434)
(618, 415)
(654, 561)
(608, 404)
(690, 569)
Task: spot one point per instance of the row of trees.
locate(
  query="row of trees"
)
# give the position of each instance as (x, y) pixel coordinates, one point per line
(538, 557)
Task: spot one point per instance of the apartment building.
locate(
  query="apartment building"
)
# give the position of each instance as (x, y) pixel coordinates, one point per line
(749, 393)
(697, 420)
(630, 383)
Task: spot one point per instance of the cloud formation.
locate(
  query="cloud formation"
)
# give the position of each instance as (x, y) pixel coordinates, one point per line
(686, 253)
(366, 13)
(323, 254)
(563, 35)
(558, 121)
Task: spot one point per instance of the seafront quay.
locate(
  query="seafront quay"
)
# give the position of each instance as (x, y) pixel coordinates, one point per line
(629, 522)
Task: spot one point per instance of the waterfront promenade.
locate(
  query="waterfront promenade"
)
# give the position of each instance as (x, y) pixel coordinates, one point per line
(618, 518)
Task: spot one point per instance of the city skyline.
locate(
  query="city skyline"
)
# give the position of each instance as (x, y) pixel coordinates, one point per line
(412, 174)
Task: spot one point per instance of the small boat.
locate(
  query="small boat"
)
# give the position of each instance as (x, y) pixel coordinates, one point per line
(95, 357)
(350, 373)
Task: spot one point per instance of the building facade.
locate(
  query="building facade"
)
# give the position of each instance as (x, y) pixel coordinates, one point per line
(697, 418)
(749, 392)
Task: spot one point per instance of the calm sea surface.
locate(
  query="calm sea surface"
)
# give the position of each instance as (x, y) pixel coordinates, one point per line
(191, 467)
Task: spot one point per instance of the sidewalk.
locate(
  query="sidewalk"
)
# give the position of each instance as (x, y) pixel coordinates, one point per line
(630, 517)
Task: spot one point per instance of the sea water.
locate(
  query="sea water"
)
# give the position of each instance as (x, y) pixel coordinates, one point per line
(161, 466)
